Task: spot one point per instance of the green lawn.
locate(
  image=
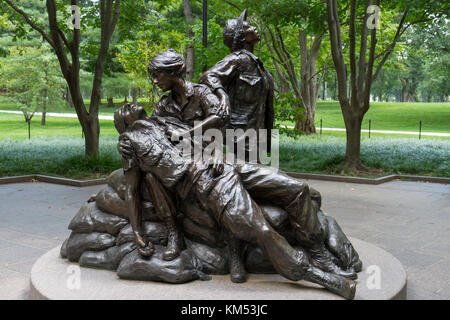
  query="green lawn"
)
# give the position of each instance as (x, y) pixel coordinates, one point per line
(58, 149)
(13, 126)
(390, 116)
(7, 104)
(383, 115)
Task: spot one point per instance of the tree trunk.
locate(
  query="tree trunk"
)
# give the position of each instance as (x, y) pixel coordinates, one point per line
(309, 83)
(91, 136)
(306, 123)
(88, 121)
(324, 95)
(109, 15)
(110, 102)
(405, 85)
(69, 98)
(45, 94)
(353, 149)
(134, 95)
(44, 108)
(190, 52)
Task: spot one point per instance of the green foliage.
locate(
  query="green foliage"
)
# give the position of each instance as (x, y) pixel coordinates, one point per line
(57, 156)
(287, 110)
(389, 116)
(13, 127)
(31, 78)
(314, 154)
(322, 154)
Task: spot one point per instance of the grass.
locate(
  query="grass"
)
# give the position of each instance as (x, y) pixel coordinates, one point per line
(57, 156)
(58, 149)
(7, 104)
(64, 156)
(13, 126)
(315, 154)
(396, 116)
(389, 116)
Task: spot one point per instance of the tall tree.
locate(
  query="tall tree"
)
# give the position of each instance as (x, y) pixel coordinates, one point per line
(190, 50)
(291, 29)
(66, 45)
(364, 68)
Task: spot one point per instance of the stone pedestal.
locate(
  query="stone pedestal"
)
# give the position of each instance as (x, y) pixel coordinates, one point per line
(382, 278)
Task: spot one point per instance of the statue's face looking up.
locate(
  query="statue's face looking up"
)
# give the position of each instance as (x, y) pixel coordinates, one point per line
(250, 33)
(164, 81)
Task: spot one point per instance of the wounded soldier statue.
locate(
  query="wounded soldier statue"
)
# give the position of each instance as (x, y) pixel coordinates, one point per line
(172, 217)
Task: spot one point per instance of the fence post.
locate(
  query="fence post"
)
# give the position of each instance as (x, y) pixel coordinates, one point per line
(29, 129)
(370, 122)
(420, 128)
(320, 126)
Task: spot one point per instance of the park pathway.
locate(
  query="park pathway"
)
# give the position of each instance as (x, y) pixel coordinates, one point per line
(106, 117)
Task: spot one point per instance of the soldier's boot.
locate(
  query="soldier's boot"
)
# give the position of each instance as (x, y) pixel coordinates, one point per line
(237, 268)
(333, 282)
(173, 240)
(323, 259)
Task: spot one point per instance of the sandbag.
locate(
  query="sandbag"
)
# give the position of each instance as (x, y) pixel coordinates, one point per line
(80, 242)
(63, 250)
(108, 200)
(108, 259)
(116, 180)
(184, 268)
(214, 260)
(256, 262)
(155, 232)
(91, 219)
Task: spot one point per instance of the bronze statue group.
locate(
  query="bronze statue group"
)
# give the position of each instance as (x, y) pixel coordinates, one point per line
(245, 209)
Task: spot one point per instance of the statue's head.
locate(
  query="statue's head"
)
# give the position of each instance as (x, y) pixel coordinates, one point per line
(239, 34)
(126, 115)
(165, 68)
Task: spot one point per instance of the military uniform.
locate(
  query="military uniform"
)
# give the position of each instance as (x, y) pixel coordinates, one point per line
(200, 104)
(249, 86)
(228, 196)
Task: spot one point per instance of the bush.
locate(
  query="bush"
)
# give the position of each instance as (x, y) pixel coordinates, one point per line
(397, 155)
(57, 156)
(64, 156)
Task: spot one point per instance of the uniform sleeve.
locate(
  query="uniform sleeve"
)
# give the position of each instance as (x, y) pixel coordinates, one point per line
(211, 105)
(161, 107)
(222, 73)
(128, 162)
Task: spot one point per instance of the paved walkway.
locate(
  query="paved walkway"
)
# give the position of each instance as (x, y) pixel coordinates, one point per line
(57, 114)
(411, 220)
(105, 117)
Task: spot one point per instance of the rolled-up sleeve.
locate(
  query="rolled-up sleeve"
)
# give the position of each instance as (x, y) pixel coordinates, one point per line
(128, 162)
(222, 73)
(211, 106)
